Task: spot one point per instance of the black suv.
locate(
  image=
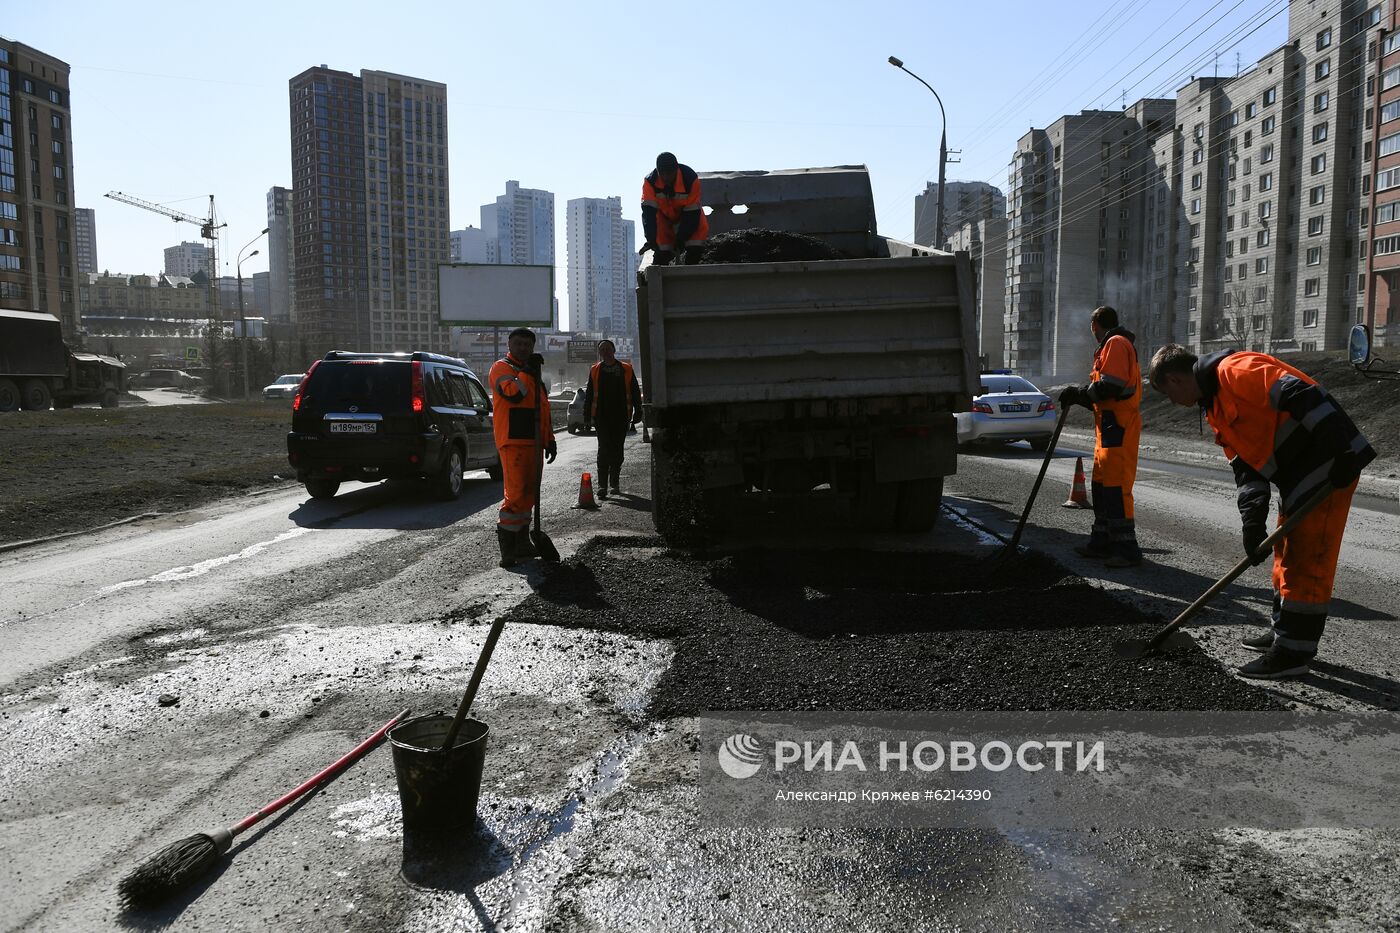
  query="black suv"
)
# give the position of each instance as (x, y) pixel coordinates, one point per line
(369, 416)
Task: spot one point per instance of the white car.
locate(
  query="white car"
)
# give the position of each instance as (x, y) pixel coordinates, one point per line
(1009, 409)
(284, 387)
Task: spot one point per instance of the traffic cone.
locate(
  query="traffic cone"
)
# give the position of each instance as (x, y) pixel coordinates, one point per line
(585, 493)
(1078, 498)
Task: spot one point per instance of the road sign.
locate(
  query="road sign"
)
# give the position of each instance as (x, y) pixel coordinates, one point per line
(192, 354)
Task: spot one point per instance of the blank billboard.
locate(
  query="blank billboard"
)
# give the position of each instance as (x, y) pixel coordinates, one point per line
(492, 295)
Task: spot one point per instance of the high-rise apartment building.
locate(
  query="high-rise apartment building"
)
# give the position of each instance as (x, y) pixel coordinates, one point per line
(38, 261)
(469, 245)
(187, 258)
(1075, 238)
(966, 202)
(280, 258)
(602, 267)
(1378, 304)
(519, 227)
(369, 209)
(984, 240)
(85, 239)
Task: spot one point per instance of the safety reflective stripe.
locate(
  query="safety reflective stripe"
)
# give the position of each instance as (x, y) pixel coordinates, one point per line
(1304, 608)
(1294, 644)
(1112, 380)
(1307, 486)
(514, 518)
(691, 207)
(649, 202)
(515, 380)
(1316, 415)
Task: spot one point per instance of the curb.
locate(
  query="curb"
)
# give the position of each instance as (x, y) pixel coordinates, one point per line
(31, 542)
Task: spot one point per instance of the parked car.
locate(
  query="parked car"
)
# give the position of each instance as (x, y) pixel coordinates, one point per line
(1008, 409)
(577, 416)
(164, 379)
(371, 416)
(284, 387)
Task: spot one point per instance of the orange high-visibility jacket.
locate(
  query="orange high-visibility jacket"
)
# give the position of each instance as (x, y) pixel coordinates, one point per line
(1116, 377)
(1276, 425)
(630, 390)
(682, 221)
(513, 405)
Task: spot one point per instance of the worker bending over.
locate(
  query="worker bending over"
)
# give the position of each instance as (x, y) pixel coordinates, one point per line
(1277, 425)
(672, 221)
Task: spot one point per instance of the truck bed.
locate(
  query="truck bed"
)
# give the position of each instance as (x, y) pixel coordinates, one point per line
(736, 333)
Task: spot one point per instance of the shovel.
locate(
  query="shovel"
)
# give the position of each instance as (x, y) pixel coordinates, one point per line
(547, 551)
(1044, 465)
(1136, 648)
(478, 672)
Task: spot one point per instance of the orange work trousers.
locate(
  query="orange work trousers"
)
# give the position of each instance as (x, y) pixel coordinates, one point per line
(520, 467)
(1116, 434)
(1305, 567)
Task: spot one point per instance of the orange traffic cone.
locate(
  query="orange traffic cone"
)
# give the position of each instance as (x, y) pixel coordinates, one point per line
(1078, 498)
(585, 493)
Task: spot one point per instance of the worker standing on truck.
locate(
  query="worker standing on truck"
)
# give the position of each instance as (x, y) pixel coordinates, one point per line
(672, 221)
(520, 412)
(1277, 425)
(612, 401)
(1114, 395)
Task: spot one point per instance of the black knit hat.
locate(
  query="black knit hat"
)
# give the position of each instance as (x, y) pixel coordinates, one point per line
(666, 162)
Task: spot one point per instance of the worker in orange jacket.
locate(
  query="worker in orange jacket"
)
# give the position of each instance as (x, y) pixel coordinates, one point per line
(672, 221)
(521, 420)
(1114, 395)
(1277, 425)
(612, 401)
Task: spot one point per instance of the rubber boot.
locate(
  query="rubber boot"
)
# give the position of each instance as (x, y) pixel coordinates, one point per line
(506, 539)
(524, 547)
(616, 480)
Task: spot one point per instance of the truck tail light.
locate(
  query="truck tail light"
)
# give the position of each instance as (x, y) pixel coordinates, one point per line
(1046, 405)
(417, 386)
(982, 407)
(301, 386)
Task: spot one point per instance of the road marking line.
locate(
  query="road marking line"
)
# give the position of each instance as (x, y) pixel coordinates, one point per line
(204, 566)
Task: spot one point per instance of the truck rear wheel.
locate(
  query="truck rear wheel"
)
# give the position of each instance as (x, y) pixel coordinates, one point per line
(9, 395)
(919, 503)
(37, 396)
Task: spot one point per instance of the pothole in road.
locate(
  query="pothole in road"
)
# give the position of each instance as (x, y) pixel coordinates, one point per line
(800, 629)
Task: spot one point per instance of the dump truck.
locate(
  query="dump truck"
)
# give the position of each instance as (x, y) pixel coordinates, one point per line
(39, 371)
(807, 389)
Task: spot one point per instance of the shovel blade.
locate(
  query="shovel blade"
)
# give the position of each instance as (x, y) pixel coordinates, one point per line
(548, 552)
(1134, 649)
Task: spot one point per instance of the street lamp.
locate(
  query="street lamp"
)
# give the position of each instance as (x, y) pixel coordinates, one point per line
(942, 150)
(242, 319)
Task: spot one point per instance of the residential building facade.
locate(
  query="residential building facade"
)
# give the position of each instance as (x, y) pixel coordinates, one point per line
(85, 239)
(38, 260)
(966, 201)
(1378, 304)
(985, 242)
(187, 258)
(519, 227)
(602, 266)
(280, 256)
(469, 245)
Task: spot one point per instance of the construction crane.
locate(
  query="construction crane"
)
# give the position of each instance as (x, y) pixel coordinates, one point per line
(209, 228)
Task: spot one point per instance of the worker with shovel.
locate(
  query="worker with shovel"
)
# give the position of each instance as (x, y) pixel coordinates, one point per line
(1277, 425)
(612, 401)
(520, 412)
(1113, 395)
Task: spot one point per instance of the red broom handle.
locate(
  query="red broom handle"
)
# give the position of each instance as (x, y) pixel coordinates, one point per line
(350, 757)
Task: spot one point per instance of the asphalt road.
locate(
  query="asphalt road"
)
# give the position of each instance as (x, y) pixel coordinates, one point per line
(288, 629)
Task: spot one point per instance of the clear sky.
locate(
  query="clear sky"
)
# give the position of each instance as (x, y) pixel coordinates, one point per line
(175, 101)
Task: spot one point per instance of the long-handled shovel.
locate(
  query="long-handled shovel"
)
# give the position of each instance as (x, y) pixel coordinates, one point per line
(180, 863)
(1135, 648)
(548, 552)
(1044, 465)
(478, 672)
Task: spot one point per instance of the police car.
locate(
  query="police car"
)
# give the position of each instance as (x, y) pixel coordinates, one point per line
(1008, 409)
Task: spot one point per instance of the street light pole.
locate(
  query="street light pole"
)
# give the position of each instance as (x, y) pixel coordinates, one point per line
(242, 317)
(942, 151)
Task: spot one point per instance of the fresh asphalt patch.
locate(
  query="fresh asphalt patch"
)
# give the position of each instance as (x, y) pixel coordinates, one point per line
(861, 630)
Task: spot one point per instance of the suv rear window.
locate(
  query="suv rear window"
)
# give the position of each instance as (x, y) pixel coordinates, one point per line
(382, 385)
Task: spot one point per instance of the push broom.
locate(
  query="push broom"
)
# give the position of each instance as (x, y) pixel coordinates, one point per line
(180, 863)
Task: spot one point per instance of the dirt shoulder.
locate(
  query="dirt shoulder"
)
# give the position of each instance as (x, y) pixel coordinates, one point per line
(83, 467)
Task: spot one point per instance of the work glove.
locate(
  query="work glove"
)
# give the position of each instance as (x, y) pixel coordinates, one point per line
(1076, 395)
(535, 363)
(1254, 535)
(551, 450)
(646, 246)
(1345, 470)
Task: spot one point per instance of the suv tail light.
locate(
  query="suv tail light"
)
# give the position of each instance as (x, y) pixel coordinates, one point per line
(301, 387)
(1046, 405)
(983, 407)
(417, 386)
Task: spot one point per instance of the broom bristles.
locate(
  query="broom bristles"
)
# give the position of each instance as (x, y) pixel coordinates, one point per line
(168, 870)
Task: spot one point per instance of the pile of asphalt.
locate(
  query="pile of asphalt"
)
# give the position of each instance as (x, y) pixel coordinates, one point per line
(862, 630)
(760, 245)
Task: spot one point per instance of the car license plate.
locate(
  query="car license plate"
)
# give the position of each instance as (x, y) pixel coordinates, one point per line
(353, 427)
(1016, 406)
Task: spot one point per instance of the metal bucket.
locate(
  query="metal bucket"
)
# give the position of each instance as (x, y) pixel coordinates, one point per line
(438, 789)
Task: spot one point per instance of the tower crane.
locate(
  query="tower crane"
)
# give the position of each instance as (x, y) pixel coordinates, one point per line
(209, 228)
